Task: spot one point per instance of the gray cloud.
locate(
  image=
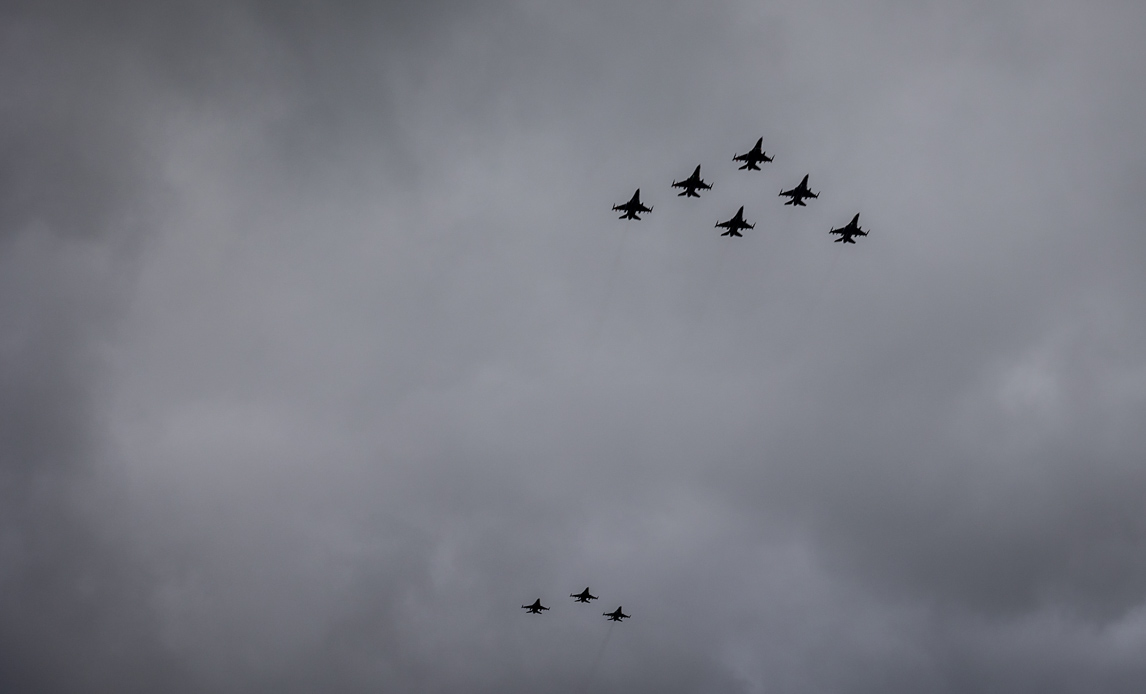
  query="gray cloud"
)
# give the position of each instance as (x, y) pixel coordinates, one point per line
(323, 352)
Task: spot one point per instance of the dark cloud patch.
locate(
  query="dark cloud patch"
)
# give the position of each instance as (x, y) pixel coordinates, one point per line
(73, 158)
(77, 191)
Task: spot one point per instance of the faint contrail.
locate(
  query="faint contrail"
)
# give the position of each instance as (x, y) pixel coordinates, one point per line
(597, 660)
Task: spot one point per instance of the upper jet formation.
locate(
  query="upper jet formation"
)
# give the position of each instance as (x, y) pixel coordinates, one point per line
(735, 224)
(692, 184)
(799, 193)
(616, 615)
(753, 158)
(583, 596)
(632, 207)
(848, 233)
(535, 608)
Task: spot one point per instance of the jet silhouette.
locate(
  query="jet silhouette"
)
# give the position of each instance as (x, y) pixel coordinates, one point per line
(583, 596)
(632, 207)
(535, 608)
(692, 184)
(753, 157)
(735, 224)
(616, 615)
(847, 233)
(799, 193)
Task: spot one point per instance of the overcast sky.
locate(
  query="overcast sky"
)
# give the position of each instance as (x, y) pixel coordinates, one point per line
(321, 350)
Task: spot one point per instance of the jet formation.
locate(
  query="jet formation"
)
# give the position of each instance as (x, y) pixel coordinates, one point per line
(750, 160)
(692, 184)
(633, 208)
(799, 193)
(735, 224)
(848, 232)
(753, 157)
(616, 615)
(584, 596)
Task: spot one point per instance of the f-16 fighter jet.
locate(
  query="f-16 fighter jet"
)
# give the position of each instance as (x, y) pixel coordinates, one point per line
(632, 207)
(535, 608)
(847, 233)
(616, 615)
(799, 193)
(735, 224)
(583, 596)
(753, 158)
(692, 184)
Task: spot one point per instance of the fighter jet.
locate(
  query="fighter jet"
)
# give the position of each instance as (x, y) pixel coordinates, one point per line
(632, 207)
(847, 233)
(753, 158)
(583, 596)
(735, 224)
(692, 184)
(799, 193)
(535, 608)
(616, 615)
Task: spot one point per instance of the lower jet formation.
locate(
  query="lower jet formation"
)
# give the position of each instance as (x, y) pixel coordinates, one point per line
(616, 615)
(632, 207)
(535, 608)
(753, 157)
(692, 184)
(848, 233)
(735, 224)
(799, 193)
(583, 596)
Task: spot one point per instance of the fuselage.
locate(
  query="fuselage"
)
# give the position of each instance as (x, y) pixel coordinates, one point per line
(753, 157)
(632, 207)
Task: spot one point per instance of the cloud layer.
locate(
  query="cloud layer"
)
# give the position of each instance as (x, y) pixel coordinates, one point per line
(322, 351)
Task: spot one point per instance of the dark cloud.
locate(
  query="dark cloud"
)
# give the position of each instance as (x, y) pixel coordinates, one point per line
(75, 191)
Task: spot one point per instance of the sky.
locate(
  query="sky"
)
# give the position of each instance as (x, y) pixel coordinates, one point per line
(322, 351)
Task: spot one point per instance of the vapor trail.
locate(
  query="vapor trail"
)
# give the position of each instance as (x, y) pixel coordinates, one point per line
(597, 660)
